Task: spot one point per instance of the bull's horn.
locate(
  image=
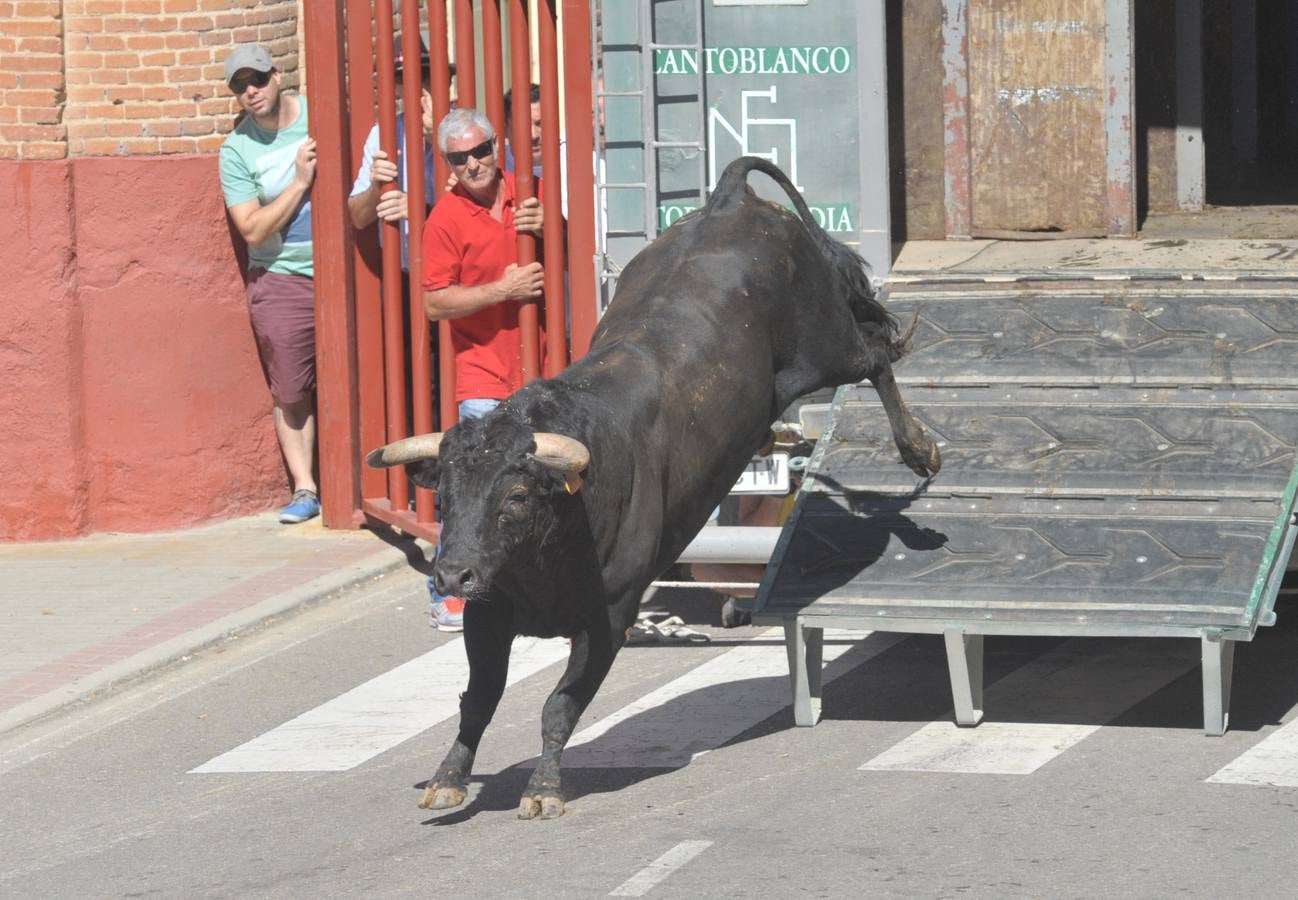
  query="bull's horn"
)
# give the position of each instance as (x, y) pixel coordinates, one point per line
(411, 449)
(555, 451)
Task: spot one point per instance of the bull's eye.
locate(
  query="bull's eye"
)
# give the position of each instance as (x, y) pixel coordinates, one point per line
(515, 505)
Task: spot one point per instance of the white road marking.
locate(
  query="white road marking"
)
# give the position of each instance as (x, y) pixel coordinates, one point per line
(642, 882)
(708, 705)
(1068, 682)
(379, 714)
(1273, 761)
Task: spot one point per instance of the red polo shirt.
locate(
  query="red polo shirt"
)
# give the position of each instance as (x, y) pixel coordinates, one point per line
(464, 245)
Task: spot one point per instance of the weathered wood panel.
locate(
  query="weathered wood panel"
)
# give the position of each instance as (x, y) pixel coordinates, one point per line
(915, 119)
(1037, 110)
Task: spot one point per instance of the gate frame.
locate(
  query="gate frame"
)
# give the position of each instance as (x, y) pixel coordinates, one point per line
(350, 417)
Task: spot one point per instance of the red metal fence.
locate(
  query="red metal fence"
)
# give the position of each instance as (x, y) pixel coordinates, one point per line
(362, 341)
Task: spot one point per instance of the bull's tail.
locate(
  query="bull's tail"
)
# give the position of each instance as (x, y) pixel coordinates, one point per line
(849, 268)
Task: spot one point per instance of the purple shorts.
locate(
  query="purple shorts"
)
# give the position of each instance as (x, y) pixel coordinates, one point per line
(282, 308)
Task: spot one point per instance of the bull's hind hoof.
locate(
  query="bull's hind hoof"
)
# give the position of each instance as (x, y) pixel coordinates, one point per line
(442, 797)
(547, 806)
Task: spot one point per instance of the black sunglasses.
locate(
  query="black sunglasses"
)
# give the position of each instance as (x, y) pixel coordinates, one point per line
(257, 80)
(482, 151)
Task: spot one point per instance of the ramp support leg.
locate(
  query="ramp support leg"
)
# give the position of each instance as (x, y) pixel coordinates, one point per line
(805, 647)
(964, 659)
(1218, 657)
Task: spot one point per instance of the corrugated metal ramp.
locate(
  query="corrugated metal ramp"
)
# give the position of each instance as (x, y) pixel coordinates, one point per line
(1118, 459)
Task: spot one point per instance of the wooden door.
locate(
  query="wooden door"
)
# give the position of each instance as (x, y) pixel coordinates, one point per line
(1037, 117)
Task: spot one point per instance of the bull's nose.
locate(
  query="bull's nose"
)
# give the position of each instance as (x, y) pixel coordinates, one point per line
(453, 580)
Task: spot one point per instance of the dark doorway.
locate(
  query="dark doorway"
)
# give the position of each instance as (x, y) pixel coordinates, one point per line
(1250, 102)
(1247, 110)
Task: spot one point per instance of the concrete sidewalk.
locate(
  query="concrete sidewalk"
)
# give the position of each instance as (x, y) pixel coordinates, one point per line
(79, 617)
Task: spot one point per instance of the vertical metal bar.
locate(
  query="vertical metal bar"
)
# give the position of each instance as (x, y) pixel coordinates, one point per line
(582, 202)
(521, 140)
(448, 409)
(439, 79)
(465, 77)
(805, 649)
(421, 387)
(702, 87)
(874, 219)
(369, 317)
(493, 67)
(1218, 661)
(958, 180)
(394, 360)
(649, 118)
(556, 344)
(1120, 116)
(336, 415)
(964, 658)
(603, 265)
(1189, 104)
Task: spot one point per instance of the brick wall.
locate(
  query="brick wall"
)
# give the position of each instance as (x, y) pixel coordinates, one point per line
(31, 80)
(128, 77)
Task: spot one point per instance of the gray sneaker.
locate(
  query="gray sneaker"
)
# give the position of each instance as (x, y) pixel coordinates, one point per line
(447, 614)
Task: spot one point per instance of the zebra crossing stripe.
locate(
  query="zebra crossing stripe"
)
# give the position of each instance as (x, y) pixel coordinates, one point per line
(710, 704)
(379, 714)
(1071, 681)
(1273, 761)
(643, 882)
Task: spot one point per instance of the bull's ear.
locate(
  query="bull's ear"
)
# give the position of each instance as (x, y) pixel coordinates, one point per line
(411, 449)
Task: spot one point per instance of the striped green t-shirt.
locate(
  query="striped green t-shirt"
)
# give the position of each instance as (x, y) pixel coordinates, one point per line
(260, 164)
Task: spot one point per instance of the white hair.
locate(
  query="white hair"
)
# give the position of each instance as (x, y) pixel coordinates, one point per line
(459, 122)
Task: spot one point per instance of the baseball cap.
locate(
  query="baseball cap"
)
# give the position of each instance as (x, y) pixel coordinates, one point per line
(247, 56)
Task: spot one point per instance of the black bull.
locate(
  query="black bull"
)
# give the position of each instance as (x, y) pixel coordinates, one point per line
(561, 506)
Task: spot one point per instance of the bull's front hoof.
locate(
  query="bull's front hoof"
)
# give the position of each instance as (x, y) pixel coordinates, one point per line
(442, 797)
(925, 460)
(546, 806)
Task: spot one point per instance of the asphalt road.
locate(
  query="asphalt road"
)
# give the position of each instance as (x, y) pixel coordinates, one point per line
(1090, 778)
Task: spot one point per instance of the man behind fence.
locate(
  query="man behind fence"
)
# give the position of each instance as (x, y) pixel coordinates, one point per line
(472, 279)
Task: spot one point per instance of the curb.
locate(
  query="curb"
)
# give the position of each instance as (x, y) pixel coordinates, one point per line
(114, 676)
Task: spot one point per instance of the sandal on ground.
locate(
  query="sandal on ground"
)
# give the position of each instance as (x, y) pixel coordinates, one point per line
(660, 628)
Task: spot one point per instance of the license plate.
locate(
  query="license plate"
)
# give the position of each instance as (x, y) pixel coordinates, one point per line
(764, 475)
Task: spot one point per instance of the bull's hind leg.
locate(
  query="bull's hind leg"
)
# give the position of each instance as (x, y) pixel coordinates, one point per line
(918, 451)
(487, 642)
(588, 663)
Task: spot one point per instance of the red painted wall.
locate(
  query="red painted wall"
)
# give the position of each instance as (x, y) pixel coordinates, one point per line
(132, 399)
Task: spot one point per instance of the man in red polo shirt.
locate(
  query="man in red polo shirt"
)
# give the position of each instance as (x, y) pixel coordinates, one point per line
(472, 278)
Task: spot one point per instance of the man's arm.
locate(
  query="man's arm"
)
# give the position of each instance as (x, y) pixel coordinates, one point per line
(373, 204)
(457, 301)
(256, 223)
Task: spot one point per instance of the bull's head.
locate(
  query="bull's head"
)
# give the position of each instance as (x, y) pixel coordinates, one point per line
(500, 486)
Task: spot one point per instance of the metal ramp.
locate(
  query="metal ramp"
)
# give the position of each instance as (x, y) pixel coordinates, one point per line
(1118, 460)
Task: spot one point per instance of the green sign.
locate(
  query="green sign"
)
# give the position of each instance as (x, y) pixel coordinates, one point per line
(834, 218)
(806, 60)
(780, 83)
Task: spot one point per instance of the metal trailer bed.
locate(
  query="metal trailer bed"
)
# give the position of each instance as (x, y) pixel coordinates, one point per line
(1118, 460)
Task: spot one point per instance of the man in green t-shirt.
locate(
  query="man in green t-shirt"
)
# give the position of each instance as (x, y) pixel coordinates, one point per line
(267, 169)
